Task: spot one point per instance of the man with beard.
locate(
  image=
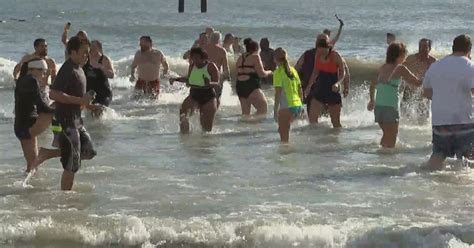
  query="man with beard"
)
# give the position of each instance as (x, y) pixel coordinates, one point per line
(148, 61)
(41, 51)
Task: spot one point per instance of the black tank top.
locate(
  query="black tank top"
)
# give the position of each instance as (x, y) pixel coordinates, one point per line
(97, 80)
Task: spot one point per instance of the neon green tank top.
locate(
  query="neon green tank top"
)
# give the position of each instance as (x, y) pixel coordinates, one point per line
(197, 76)
(388, 93)
(291, 86)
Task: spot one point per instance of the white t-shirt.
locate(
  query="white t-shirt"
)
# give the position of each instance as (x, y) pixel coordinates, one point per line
(451, 79)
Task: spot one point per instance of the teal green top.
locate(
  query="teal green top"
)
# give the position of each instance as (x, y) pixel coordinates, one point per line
(196, 78)
(388, 93)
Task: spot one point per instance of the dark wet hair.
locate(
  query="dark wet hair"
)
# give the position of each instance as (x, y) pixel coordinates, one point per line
(38, 41)
(327, 31)
(228, 36)
(74, 44)
(322, 43)
(394, 51)
(247, 40)
(198, 51)
(390, 35)
(24, 67)
(147, 38)
(427, 41)
(251, 46)
(462, 43)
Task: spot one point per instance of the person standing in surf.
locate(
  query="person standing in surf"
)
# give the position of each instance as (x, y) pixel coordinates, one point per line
(387, 84)
(32, 113)
(413, 106)
(227, 44)
(148, 62)
(449, 84)
(64, 37)
(328, 75)
(202, 79)
(249, 71)
(288, 94)
(69, 92)
(99, 70)
(41, 51)
(268, 59)
(217, 55)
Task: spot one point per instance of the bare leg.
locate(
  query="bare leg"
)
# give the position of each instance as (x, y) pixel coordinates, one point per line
(258, 100)
(390, 133)
(30, 151)
(284, 122)
(45, 154)
(245, 106)
(434, 164)
(208, 113)
(335, 114)
(42, 123)
(184, 113)
(67, 180)
(314, 111)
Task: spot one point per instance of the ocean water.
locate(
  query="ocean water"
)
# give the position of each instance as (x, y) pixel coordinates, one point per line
(237, 186)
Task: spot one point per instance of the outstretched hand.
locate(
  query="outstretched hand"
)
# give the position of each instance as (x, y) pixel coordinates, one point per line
(339, 19)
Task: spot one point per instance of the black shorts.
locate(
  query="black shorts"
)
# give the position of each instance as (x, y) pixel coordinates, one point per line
(453, 140)
(202, 96)
(245, 88)
(75, 145)
(23, 133)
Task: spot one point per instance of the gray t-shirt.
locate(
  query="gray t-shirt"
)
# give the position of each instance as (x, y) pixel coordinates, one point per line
(70, 80)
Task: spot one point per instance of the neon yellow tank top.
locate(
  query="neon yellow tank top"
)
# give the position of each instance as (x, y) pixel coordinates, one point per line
(197, 76)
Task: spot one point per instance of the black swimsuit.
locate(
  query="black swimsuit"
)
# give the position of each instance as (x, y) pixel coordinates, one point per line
(202, 95)
(98, 82)
(246, 87)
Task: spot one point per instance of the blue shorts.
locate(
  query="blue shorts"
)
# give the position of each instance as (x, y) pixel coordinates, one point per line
(296, 110)
(453, 140)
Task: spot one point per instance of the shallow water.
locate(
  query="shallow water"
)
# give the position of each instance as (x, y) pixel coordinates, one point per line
(237, 186)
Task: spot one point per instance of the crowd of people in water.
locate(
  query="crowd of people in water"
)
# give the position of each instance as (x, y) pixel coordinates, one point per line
(46, 97)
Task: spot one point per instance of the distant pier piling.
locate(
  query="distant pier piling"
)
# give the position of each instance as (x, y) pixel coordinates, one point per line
(203, 6)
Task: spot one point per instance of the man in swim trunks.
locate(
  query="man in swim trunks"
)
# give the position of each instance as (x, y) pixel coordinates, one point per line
(449, 83)
(268, 59)
(69, 92)
(41, 51)
(217, 55)
(148, 61)
(413, 106)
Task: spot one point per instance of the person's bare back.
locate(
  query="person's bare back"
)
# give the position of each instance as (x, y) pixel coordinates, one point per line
(216, 54)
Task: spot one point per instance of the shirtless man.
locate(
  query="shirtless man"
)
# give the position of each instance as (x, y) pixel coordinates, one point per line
(41, 51)
(413, 105)
(148, 61)
(268, 59)
(202, 41)
(218, 55)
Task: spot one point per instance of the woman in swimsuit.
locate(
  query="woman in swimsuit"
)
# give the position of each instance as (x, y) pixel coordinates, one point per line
(249, 71)
(328, 75)
(203, 78)
(387, 84)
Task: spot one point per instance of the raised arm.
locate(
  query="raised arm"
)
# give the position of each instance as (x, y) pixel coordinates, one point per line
(339, 31)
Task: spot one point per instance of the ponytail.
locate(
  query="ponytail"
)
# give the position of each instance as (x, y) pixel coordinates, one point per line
(286, 64)
(281, 55)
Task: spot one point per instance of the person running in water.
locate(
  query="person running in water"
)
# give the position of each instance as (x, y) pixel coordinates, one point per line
(249, 71)
(288, 94)
(98, 70)
(386, 103)
(148, 61)
(69, 92)
(203, 78)
(449, 83)
(413, 106)
(32, 113)
(329, 71)
(217, 55)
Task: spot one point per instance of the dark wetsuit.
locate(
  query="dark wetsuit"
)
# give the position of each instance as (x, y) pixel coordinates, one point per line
(246, 87)
(28, 104)
(307, 67)
(98, 82)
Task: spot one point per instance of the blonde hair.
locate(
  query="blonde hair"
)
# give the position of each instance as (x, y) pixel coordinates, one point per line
(282, 56)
